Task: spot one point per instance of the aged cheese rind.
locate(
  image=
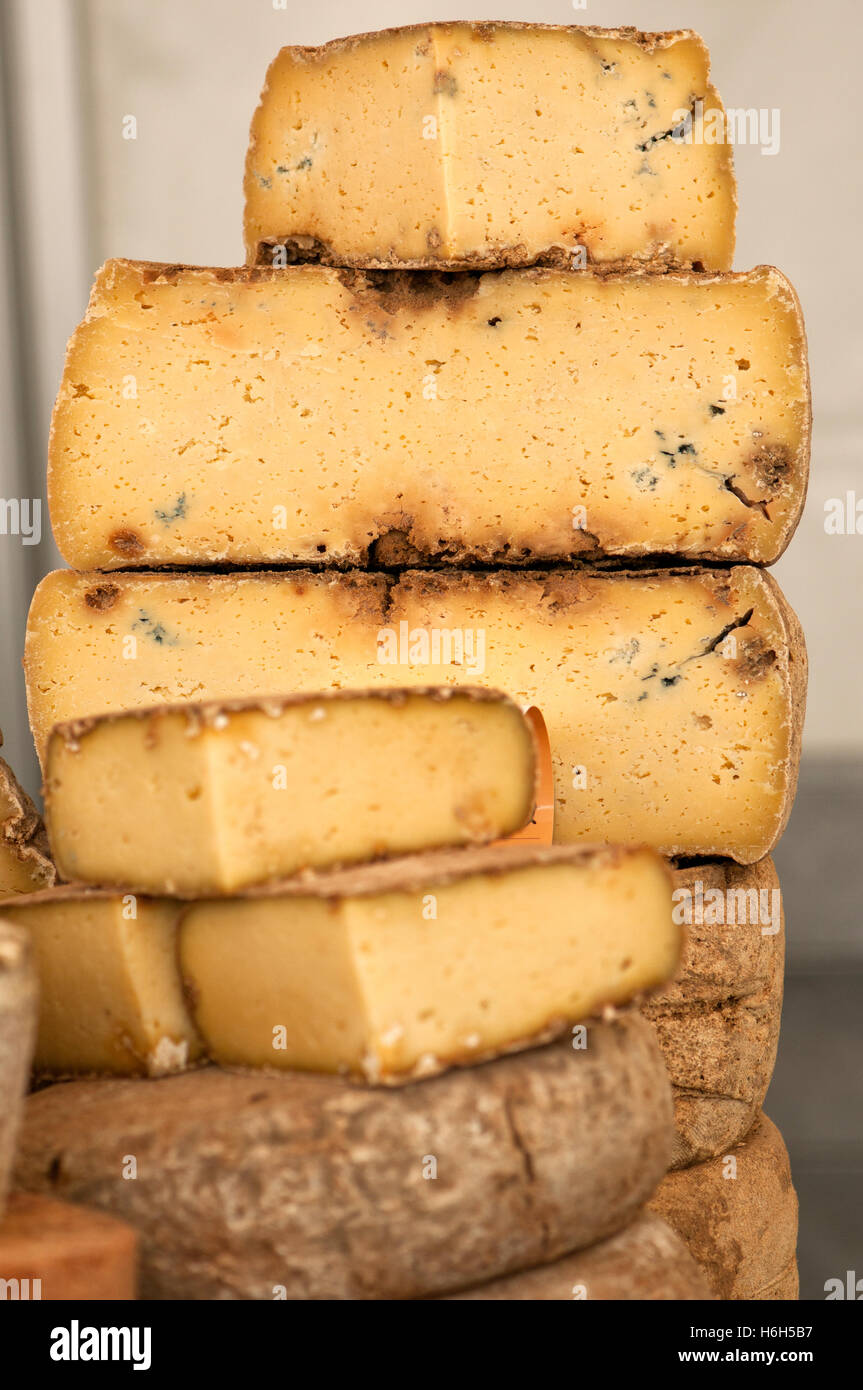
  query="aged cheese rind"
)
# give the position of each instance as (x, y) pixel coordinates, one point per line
(490, 144)
(248, 1183)
(110, 998)
(17, 1033)
(314, 416)
(644, 1262)
(446, 961)
(25, 858)
(66, 1252)
(673, 699)
(742, 1229)
(717, 1022)
(213, 798)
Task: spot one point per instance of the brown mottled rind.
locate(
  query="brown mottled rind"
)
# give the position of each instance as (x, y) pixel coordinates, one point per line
(17, 1036)
(737, 1214)
(248, 1184)
(717, 1022)
(22, 832)
(646, 1262)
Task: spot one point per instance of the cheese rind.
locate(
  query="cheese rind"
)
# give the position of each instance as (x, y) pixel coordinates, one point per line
(17, 1032)
(740, 1225)
(673, 699)
(212, 798)
(490, 144)
(109, 991)
(645, 1262)
(717, 1021)
(306, 1187)
(403, 969)
(57, 1252)
(315, 416)
(25, 858)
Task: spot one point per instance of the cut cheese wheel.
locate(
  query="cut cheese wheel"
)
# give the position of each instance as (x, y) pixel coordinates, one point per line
(316, 416)
(717, 1022)
(306, 1187)
(737, 1214)
(55, 1251)
(673, 698)
(388, 972)
(400, 970)
(110, 998)
(645, 1262)
(17, 1033)
(489, 144)
(202, 799)
(25, 859)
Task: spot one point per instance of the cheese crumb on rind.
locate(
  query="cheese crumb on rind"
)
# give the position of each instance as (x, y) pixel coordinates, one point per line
(673, 699)
(323, 417)
(214, 797)
(491, 144)
(395, 972)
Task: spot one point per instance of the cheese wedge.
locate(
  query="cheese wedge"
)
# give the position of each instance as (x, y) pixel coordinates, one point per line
(210, 798)
(25, 859)
(319, 416)
(673, 699)
(301, 1186)
(490, 144)
(400, 970)
(109, 992)
(17, 1031)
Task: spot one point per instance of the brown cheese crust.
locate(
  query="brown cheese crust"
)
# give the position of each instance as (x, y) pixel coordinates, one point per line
(740, 1225)
(536, 1155)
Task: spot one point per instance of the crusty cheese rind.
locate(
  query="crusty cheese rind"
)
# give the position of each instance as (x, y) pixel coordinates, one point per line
(633, 672)
(717, 1021)
(17, 1034)
(740, 1228)
(644, 1262)
(535, 1155)
(25, 856)
(428, 212)
(216, 797)
(725, 482)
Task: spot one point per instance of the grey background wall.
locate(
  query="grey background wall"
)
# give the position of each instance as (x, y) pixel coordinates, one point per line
(75, 191)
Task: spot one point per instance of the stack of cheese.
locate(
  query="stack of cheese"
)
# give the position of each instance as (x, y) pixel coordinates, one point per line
(417, 444)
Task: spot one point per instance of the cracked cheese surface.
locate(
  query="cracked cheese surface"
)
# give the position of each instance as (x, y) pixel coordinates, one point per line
(490, 144)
